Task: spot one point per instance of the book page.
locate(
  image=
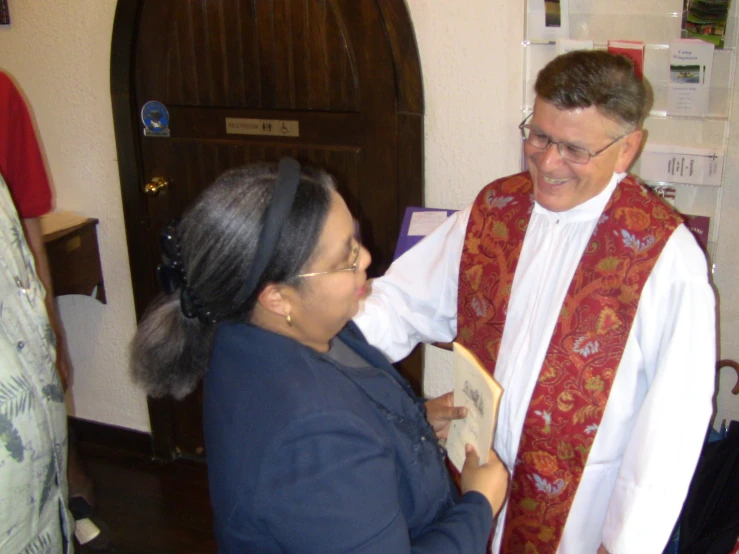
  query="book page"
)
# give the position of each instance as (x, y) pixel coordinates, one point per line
(475, 389)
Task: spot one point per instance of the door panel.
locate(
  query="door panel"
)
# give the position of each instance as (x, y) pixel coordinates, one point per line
(330, 65)
(198, 162)
(269, 54)
(182, 78)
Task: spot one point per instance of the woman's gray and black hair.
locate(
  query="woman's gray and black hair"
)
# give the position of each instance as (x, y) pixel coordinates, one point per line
(585, 78)
(218, 239)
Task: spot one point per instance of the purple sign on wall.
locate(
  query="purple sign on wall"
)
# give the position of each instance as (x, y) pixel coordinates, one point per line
(412, 230)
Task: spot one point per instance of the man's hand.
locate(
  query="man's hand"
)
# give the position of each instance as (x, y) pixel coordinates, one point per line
(440, 412)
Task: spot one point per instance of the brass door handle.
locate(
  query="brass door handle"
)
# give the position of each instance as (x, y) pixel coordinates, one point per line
(155, 186)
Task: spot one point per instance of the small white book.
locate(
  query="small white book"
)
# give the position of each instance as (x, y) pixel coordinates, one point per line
(475, 389)
(691, 61)
(689, 165)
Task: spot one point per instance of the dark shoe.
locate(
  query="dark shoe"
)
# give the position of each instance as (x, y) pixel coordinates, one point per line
(80, 507)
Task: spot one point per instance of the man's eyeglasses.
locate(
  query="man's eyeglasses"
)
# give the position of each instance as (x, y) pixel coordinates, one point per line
(356, 250)
(569, 152)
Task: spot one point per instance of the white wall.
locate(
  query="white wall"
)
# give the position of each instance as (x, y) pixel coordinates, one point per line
(726, 275)
(472, 69)
(59, 53)
(470, 52)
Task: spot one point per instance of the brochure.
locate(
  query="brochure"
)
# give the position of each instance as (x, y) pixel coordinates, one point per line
(475, 389)
(547, 20)
(681, 164)
(706, 20)
(691, 61)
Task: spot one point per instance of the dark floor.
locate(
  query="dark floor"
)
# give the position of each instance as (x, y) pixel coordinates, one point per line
(150, 507)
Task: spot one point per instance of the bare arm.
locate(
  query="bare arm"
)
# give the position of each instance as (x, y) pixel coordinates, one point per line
(34, 236)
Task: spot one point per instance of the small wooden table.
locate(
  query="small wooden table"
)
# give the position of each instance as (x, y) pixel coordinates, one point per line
(74, 260)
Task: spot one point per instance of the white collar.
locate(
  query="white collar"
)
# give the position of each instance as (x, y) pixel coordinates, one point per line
(588, 210)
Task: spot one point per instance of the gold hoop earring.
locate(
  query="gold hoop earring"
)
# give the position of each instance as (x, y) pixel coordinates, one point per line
(289, 319)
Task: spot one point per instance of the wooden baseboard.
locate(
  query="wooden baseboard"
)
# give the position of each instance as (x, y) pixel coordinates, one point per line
(111, 436)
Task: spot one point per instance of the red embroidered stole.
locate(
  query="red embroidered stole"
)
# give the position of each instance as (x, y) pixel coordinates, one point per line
(586, 346)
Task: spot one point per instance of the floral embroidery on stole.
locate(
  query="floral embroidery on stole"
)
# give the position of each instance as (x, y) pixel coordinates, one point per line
(586, 346)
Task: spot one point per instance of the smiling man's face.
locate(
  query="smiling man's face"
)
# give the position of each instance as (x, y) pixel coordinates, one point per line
(561, 185)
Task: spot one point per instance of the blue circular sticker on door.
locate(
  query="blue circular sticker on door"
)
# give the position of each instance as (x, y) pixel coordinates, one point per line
(155, 117)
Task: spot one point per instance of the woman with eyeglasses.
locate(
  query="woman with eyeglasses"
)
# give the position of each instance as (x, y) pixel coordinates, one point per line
(315, 443)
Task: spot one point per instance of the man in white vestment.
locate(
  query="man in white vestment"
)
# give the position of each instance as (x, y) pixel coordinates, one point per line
(597, 248)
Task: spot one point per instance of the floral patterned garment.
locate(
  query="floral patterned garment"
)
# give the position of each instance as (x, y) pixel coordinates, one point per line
(585, 351)
(33, 424)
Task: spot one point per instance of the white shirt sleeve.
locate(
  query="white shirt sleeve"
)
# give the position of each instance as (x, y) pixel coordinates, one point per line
(675, 330)
(416, 300)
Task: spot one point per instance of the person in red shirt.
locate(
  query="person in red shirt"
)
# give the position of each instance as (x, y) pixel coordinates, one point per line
(23, 168)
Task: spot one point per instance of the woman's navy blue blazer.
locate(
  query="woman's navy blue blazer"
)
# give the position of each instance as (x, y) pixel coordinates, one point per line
(308, 456)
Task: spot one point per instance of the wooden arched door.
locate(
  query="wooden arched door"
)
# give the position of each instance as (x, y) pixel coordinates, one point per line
(334, 83)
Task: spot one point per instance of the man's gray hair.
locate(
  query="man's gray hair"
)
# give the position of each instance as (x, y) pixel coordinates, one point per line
(585, 78)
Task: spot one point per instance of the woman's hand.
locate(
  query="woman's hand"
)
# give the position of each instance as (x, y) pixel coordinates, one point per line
(489, 479)
(440, 412)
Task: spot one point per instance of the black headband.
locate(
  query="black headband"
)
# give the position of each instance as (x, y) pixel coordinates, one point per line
(288, 177)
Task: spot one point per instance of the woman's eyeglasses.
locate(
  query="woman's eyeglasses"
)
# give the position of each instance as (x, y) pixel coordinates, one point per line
(356, 250)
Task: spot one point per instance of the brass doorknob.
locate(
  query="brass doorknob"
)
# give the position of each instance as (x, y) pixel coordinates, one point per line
(155, 186)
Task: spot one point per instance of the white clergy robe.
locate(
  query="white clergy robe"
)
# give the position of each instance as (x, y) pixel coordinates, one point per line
(646, 448)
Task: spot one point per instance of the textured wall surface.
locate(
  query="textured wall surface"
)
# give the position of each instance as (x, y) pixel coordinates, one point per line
(470, 53)
(726, 276)
(59, 53)
(471, 62)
